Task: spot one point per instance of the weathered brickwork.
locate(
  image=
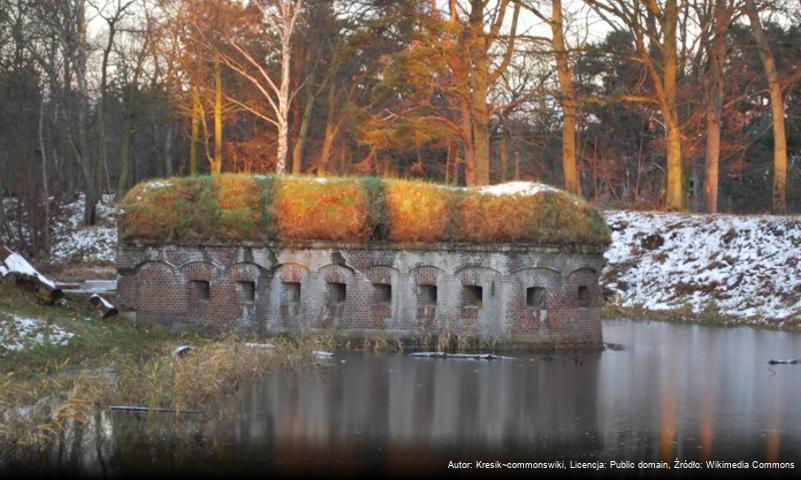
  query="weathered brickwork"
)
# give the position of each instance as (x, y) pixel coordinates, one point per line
(511, 294)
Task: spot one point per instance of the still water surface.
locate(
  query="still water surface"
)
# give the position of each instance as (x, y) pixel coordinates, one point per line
(672, 391)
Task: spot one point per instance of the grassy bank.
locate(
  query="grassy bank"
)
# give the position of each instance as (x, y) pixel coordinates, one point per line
(709, 316)
(47, 389)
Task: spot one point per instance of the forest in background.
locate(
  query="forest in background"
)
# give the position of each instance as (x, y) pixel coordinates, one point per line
(648, 104)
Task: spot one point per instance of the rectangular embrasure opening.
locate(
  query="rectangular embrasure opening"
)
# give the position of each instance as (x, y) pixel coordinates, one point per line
(427, 294)
(200, 290)
(583, 296)
(336, 292)
(472, 295)
(382, 293)
(291, 292)
(535, 297)
(246, 291)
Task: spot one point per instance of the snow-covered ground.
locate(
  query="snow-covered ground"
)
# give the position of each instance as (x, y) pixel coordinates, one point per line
(746, 267)
(71, 242)
(20, 333)
(74, 242)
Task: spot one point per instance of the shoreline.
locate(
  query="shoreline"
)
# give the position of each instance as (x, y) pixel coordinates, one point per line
(708, 317)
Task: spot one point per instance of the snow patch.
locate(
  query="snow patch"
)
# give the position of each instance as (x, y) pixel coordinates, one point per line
(517, 188)
(744, 266)
(21, 333)
(74, 241)
(154, 184)
(15, 263)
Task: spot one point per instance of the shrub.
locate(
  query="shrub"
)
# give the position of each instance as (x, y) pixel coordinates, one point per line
(377, 222)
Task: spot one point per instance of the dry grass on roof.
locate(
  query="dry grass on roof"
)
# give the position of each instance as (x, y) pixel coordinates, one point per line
(418, 211)
(229, 208)
(329, 209)
(147, 213)
(550, 218)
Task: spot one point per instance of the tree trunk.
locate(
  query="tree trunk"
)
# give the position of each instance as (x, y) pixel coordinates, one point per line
(675, 176)
(283, 104)
(504, 157)
(125, 155)
(675, 187)
(330, 132)
(714, 106)
(169, 136)
(128, 138)
(195, 132)
(216, 165)
(79, 139)
(45, 189)
(300, 143)
(101, 117)
(777, 110)
(567, 100)
(468, 145)
(480, 85)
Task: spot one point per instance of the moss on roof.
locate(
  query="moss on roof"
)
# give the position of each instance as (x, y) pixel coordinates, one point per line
(294, 209)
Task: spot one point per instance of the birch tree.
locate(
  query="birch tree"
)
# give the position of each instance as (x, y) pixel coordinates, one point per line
(279, 19)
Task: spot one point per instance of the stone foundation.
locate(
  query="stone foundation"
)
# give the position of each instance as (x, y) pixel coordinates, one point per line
(512, 295)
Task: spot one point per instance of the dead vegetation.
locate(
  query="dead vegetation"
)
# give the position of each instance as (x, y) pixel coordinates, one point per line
(48, 390)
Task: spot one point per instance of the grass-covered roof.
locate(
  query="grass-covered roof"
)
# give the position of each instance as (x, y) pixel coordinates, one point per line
(291, 209)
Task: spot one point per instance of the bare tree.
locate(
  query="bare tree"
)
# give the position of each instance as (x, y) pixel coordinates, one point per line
(112, 14)
(63, 27)
(654, 27)
(279, 18)
(567, 97)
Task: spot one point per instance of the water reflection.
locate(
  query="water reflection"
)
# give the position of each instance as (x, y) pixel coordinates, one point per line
(674, 391)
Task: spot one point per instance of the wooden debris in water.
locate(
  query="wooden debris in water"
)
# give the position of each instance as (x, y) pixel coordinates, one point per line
(790, 361)
(460, 356)
(137, 408)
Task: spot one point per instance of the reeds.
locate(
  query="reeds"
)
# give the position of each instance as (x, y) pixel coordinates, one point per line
(49, 406)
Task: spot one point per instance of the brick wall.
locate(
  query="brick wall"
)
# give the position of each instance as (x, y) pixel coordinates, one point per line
(531, 296)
